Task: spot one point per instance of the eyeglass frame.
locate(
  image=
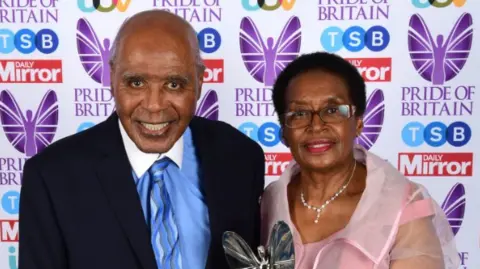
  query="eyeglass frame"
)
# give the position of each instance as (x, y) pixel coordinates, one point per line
(351, 111)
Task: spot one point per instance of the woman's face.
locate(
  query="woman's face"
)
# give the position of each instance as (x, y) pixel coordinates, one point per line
(320, 145)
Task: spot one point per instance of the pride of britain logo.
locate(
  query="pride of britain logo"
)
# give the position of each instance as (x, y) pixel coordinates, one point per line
(29, 132)
(265, 60)
(439, 60)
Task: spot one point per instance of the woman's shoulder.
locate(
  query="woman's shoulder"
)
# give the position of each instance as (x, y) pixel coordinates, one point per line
(277, 188)
(383, 171)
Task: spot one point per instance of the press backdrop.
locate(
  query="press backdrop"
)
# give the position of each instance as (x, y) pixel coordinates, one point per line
(420, 59)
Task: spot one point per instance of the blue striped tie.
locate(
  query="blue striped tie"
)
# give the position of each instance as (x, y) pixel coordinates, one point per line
(165, 237)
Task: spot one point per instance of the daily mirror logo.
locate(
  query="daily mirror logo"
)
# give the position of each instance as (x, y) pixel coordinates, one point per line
(31, 71)
(436, 164)
(275, 163)
(213, 71)
(373, 69)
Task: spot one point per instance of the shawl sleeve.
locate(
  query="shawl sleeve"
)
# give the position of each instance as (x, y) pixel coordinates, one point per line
(425, 239)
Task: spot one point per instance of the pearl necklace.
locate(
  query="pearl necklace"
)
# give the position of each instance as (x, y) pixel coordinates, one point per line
(321, 208)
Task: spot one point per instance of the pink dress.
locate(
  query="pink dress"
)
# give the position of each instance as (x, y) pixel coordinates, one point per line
(396, 224)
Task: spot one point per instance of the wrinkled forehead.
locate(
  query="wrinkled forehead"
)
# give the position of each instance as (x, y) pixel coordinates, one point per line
(157, 49)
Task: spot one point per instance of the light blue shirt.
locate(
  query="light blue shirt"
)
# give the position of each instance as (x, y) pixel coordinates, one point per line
(183, 185)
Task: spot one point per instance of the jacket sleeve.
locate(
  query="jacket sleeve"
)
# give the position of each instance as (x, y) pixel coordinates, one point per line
(41, 244)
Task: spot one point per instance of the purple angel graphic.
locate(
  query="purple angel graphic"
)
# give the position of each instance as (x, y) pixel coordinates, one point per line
(454, 207)
(208, 107)
(372, 120)
(29, 133)
(93, 55)
(440, 60)
(265, 61)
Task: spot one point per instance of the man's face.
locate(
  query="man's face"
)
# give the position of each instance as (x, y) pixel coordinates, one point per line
(155, 84)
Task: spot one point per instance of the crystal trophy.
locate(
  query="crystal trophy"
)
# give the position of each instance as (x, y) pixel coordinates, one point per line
(280, 253)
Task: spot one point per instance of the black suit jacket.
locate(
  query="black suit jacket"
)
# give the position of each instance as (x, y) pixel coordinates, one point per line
(79, 207)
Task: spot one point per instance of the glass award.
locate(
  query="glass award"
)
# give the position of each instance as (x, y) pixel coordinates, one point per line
(279, 254)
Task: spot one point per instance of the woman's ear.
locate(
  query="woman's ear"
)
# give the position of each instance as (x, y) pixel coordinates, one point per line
(359, 127)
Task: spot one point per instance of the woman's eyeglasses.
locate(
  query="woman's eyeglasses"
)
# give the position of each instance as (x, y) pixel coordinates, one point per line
(330, 114)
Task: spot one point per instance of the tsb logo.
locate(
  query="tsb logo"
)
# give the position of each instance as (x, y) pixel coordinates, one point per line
(373, 69)
(436, 134)
(213, 71)
(10, 202)
(84, 126)
(121, 5)
(209, 40)
(253, 5)
(437, 3)
(268, 134)
(26, 41)
(355, 38)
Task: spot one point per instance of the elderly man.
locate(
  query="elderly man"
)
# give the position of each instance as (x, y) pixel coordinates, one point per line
(153, 186)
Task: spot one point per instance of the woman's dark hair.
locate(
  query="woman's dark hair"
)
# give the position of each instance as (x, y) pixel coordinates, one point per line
(326, 62)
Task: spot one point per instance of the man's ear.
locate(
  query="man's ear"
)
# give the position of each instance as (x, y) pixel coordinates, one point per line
(112, 66)
(200, 83)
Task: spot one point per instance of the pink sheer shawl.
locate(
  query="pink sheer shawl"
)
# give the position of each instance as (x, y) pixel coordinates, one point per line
(396, 224)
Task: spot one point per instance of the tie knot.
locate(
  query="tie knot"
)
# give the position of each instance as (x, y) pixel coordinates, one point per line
(158, 167)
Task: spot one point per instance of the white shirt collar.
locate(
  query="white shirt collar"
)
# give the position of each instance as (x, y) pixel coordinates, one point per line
(141, 161)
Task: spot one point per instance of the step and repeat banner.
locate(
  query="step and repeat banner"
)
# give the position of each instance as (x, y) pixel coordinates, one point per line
(420, 59)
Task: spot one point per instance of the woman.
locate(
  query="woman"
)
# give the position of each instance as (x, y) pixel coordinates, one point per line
(346, 207)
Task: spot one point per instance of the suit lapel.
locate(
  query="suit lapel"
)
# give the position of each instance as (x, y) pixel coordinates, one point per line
(211, 175)
(115, 175)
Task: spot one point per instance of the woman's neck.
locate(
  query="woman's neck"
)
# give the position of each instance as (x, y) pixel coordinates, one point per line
(319, 186)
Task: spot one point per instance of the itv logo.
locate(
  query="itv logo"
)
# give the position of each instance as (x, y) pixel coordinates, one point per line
(271, 6)
(13, 257)
(96, 5)
(438, 3)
